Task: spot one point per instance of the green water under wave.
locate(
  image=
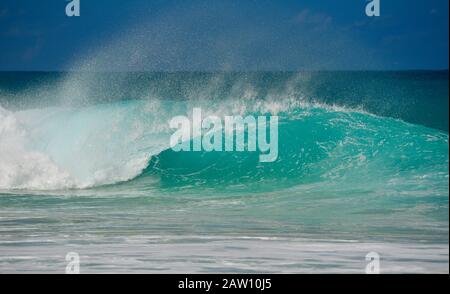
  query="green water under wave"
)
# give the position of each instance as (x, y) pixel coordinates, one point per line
(318, 145)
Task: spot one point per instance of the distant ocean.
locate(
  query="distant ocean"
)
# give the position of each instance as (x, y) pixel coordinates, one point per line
(86, 167)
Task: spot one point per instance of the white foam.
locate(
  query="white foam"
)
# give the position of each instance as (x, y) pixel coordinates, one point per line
(22, 168)
(61, 148)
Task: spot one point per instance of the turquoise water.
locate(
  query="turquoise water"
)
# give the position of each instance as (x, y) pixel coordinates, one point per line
(85, 166)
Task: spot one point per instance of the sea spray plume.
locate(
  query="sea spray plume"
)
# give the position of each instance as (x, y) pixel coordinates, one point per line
(200, 37)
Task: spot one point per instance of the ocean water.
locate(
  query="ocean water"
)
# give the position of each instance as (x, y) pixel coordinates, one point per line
(86, 167)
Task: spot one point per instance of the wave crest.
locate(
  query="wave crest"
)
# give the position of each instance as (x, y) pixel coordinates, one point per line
(82, 147)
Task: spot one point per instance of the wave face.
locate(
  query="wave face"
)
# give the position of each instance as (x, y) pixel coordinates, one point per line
(342, 150)
(59, 148)
(109, 141)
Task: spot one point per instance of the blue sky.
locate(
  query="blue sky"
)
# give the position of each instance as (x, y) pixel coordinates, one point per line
(172, 35)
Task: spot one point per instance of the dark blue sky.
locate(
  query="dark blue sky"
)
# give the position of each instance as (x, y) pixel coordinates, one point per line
(223, 35)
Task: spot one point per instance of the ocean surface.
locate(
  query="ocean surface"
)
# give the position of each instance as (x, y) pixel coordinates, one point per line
(86, 167)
